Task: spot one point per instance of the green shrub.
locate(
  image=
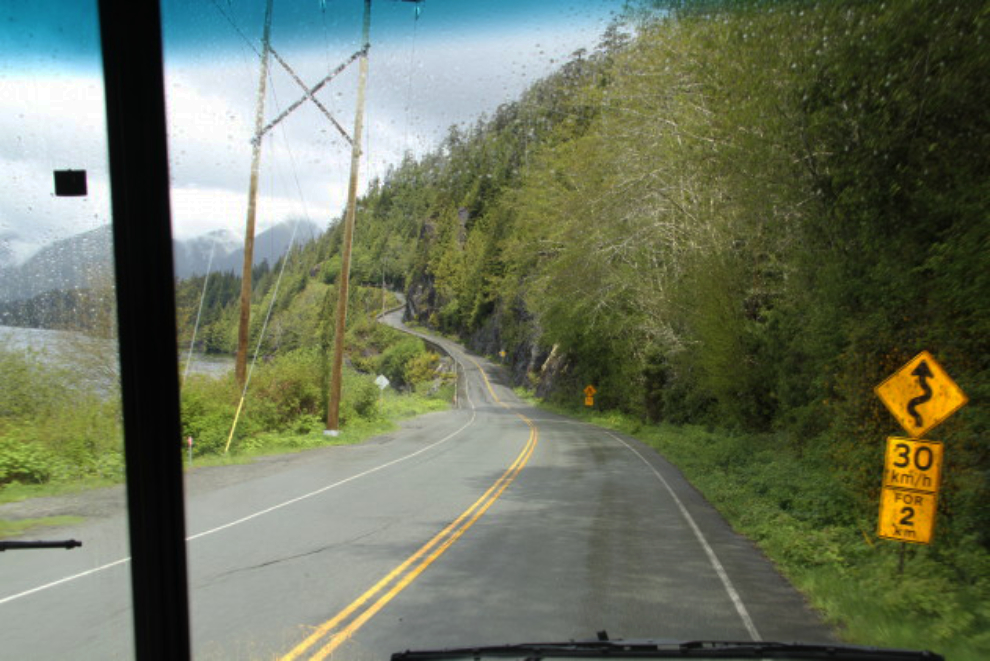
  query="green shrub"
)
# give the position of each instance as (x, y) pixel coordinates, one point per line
(30, 386)
(395, 359)
(288, 387)
(359, 397)
(24, 462)
(208, 410)
(422, 368)
(54, 425)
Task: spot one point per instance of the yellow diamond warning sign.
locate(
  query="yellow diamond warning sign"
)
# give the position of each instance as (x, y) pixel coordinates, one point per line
(907, 516)
(912, 464)
(921, 395)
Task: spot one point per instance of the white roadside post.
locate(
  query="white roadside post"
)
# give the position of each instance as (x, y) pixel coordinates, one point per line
(382, 383)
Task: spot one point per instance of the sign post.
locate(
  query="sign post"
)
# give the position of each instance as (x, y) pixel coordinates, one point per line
(921, 396)
(589, 395)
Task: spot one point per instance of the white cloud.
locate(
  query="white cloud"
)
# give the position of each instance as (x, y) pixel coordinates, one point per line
(204, 210)
(415, 92)
(50, 123)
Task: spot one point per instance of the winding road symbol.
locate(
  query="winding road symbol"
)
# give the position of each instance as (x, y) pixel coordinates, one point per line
(918, 412)
(923, 372)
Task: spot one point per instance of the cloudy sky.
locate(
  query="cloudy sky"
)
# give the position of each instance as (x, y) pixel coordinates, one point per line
(458, 59)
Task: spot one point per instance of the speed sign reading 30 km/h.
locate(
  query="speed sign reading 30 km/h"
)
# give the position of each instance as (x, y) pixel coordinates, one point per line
(910, 463)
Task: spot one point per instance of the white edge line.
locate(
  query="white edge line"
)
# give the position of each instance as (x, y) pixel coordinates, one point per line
(250, 516)
(334, 485)
(719, 569)
(63, 580)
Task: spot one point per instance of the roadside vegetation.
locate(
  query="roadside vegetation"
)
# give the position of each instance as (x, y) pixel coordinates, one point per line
(20, 526)
(54, 427)
(60, 430)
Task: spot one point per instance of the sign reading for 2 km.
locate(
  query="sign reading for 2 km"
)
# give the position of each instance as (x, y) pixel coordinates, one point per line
(907, 516)
(921, 395)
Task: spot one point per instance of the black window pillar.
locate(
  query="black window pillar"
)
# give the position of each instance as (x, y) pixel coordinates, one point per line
(135, 105)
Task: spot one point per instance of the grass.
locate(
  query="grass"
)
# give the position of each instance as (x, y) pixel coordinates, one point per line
(820, 536)
(22, 526)
(393, 408)
(14, 492)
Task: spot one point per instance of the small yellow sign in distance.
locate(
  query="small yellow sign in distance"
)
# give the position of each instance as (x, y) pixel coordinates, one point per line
(590, 390)
(912, 464)
(907, 516)
(921, 395)
(589, 401)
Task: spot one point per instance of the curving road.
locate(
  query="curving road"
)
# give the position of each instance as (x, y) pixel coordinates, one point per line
(490, 523)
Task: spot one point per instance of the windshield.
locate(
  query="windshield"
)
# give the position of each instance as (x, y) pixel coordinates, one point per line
(496, 323)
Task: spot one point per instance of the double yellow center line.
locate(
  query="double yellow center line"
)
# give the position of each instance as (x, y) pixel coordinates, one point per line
(335, 631)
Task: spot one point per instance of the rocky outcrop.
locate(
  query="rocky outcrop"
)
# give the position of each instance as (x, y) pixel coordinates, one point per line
(527, 362)
(552, 371)
(421, 301)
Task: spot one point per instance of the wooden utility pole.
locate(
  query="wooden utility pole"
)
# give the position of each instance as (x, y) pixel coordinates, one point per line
(242, 335)
(333, 412)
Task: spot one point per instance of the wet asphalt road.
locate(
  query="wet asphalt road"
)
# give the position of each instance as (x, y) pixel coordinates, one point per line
(490, 523)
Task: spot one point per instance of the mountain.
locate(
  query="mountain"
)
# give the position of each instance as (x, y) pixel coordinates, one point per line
(80, 261)
(6, 254)
(193, 256)
(274, 242)
(85, 260)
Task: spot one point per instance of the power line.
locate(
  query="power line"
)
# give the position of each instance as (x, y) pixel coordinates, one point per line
(199, 312)
(236, 28)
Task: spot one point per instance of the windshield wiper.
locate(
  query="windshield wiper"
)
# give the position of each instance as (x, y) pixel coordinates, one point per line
(67, 544)
(697, 649)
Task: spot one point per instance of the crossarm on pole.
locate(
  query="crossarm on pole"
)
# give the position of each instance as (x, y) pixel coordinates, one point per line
(309, 94)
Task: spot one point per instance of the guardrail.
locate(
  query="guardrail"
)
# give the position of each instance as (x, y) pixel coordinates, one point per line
(458, 368)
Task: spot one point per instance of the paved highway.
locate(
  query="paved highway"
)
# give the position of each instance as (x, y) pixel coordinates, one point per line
(490, 523)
